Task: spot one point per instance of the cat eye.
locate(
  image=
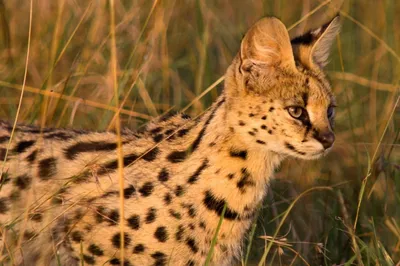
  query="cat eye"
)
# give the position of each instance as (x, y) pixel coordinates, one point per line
(295, 111)
(330, 112)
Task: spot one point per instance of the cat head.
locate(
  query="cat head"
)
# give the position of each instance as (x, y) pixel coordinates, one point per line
(278, 95)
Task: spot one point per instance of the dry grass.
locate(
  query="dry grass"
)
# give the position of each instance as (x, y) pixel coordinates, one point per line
(85, 67)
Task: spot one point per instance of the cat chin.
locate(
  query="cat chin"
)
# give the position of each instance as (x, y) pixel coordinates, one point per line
(308, 156)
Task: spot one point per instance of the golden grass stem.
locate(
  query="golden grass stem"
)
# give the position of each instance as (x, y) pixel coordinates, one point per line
(76, 99)
(211, 87)
(120, 153)
(271, 241)
(308, 14)
(214, 240)
(22, 91)
(363, 81)
(373, 35)
(50, 73)
(372, 161)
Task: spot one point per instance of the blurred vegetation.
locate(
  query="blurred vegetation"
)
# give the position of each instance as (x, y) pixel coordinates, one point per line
(169, 51)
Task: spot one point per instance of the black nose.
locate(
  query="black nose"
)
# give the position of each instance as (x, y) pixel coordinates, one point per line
(327, 138)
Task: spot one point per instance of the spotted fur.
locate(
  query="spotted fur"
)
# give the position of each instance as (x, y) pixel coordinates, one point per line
(59, 197)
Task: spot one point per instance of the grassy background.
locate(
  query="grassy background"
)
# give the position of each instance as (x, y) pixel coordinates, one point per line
(169, 51)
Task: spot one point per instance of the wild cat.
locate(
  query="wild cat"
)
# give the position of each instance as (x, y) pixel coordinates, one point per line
(60, 194)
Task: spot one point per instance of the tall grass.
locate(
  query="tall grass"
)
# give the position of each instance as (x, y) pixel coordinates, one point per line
(168, 52)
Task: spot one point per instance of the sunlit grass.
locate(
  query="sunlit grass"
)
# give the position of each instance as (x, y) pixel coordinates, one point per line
(87, 71)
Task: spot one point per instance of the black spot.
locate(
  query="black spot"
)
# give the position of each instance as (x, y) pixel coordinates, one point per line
(22, 181)
(129, 192)
(15, 195)
(47, 168)
(177, 156)
(175, 214)
(95, 250)
(113, 165)
(291, 147)
(134, 222)
(100, 214)
(160, 258)
(263, 127)
(23, 145)
(242, 154)
(193, 178)
(116, 240)
(271, 109)
(151, 215)
(192, 211)
(146, 189)
(28, 235)
(264, 117)
(167, 198)
(251, 115)
(151, 155)
(192, 226)
(191, 243)
(270, 132)
(251, 133)
(32, 157)
(169, 132)
(76, 236)
(156, 130)
(139, 248)
(163, 176)
(92, 146)
(158, 137)
(217, 205)
(202, 225)
(113, 217)
(185, 116)
(115, 261)
(161, 234)
(179, 233)
(183, 132)
(260, 142)
(37, 217)
(241, 123)
(89, 259)
(304, 96)
(231, 176)
(179, 191)
(59, 135)
(4, 139)
(245, 180)
(2, 154)
(190, 263)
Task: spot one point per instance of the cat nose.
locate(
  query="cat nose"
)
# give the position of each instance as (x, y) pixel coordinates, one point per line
(327, 138)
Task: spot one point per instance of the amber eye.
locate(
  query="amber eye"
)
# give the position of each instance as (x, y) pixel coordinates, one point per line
(330, 112)
(295, 111)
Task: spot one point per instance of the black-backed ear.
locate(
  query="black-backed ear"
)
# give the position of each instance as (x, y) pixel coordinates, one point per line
(266, 44)
(312, 49)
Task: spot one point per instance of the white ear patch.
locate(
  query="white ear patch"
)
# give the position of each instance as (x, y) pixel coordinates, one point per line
(321, 48)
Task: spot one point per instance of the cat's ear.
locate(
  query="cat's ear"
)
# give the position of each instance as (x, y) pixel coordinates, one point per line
(312, 49)
(266, 44)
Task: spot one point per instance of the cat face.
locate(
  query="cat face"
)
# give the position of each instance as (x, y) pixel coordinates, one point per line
(285, 100)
